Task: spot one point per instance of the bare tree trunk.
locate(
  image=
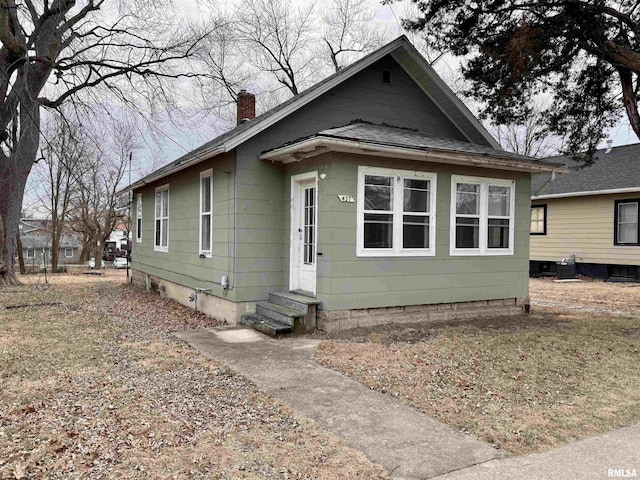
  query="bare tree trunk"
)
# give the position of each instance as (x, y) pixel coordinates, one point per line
(10, 207)
(55, 250)
(14, 170)
(20, 254)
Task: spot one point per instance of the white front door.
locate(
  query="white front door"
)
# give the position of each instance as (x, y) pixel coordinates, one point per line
(304, 220)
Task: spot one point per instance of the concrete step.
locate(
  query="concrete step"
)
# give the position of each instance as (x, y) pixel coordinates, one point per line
(293, 301)
(265, 325)
(279, 313)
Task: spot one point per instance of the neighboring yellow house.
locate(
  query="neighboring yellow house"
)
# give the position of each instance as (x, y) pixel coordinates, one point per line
(591, 214)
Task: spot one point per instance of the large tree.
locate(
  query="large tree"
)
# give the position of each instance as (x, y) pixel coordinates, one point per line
(92, 53)
(583, 54)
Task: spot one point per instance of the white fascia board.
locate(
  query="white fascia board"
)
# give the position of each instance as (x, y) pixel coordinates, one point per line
(307, 148)
(587, 193)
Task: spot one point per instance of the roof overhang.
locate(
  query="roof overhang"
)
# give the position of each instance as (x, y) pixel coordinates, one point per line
(170, 171)
(314, 146)
(587, 193)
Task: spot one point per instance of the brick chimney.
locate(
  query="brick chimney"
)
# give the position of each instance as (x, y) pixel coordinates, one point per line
(246, 106)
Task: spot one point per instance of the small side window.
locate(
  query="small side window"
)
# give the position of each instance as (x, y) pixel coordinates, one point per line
(538, 220)
(386, 76)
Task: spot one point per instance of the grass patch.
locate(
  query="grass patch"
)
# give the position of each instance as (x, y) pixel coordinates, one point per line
(524, 390)
(97, 387)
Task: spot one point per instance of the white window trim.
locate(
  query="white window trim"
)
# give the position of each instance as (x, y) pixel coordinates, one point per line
(139, 218)
(397, 250)
(206, 253)
(483, 250)
(65, 253)
(159, 248)
(29, 257)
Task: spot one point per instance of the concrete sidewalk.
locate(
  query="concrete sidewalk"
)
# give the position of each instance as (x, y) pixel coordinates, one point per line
(614, 454)
(407, 443)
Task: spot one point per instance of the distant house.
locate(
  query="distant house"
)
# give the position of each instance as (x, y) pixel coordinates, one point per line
(119, 238)
(35, 235)
(590, 213)
(373, 197)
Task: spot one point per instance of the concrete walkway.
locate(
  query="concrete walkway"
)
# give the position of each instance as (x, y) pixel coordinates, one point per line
(614, 454)
(407, 443)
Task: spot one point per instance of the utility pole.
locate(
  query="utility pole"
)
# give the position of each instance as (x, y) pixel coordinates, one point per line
(129, 236)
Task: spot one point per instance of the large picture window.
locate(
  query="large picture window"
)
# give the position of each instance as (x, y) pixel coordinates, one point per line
(627, 222)
(162, 219)
(139, 218)
(482, 216)
(206, 202)
(396, 212)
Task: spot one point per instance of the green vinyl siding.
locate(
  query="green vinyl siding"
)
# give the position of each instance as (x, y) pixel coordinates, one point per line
(263, 203)
(182, 264)
(346, 281)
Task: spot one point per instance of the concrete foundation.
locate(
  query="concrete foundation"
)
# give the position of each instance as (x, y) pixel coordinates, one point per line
(335, 320)
(217, 307)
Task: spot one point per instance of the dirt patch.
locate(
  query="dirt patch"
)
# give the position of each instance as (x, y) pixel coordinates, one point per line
(418, 332)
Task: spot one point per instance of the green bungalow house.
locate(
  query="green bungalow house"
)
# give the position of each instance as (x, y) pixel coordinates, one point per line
(374, 196)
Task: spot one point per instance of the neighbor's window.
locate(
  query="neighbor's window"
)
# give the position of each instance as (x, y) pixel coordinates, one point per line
(396, 212)
(481, 216)
(139, 218)
(538, 220)
(162, 219)
(627, 222)
(31, 253)
(206, 202)
(68, 252)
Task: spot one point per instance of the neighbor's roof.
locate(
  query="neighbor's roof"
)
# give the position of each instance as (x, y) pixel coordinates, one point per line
(400, 49)
(386, 140)
(615, 172)
(44, 241)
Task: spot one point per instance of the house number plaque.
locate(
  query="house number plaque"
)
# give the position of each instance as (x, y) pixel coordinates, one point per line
(346, 199)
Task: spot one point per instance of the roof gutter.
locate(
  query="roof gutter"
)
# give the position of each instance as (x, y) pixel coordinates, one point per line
(318, 145)
(587, 193)
(152, 178)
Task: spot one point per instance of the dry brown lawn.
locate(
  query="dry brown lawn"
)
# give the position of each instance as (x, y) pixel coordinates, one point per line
(589, 294)
(93, 385)
(524, 384)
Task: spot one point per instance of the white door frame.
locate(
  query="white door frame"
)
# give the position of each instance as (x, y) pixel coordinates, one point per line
(295, 241)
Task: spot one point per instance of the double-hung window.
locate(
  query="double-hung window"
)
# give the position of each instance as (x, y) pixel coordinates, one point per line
(206, 203)
(396, 212)
(139, 218)
(162, 219)
(31, 253)
(627, 222)
(482, 216)
(68, 252)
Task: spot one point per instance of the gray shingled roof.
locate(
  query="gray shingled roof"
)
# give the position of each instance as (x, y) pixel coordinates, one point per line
(366, 132)
(411, 138)
(620, 168)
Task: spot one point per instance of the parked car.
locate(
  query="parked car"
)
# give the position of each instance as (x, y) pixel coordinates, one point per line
(120, 262)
